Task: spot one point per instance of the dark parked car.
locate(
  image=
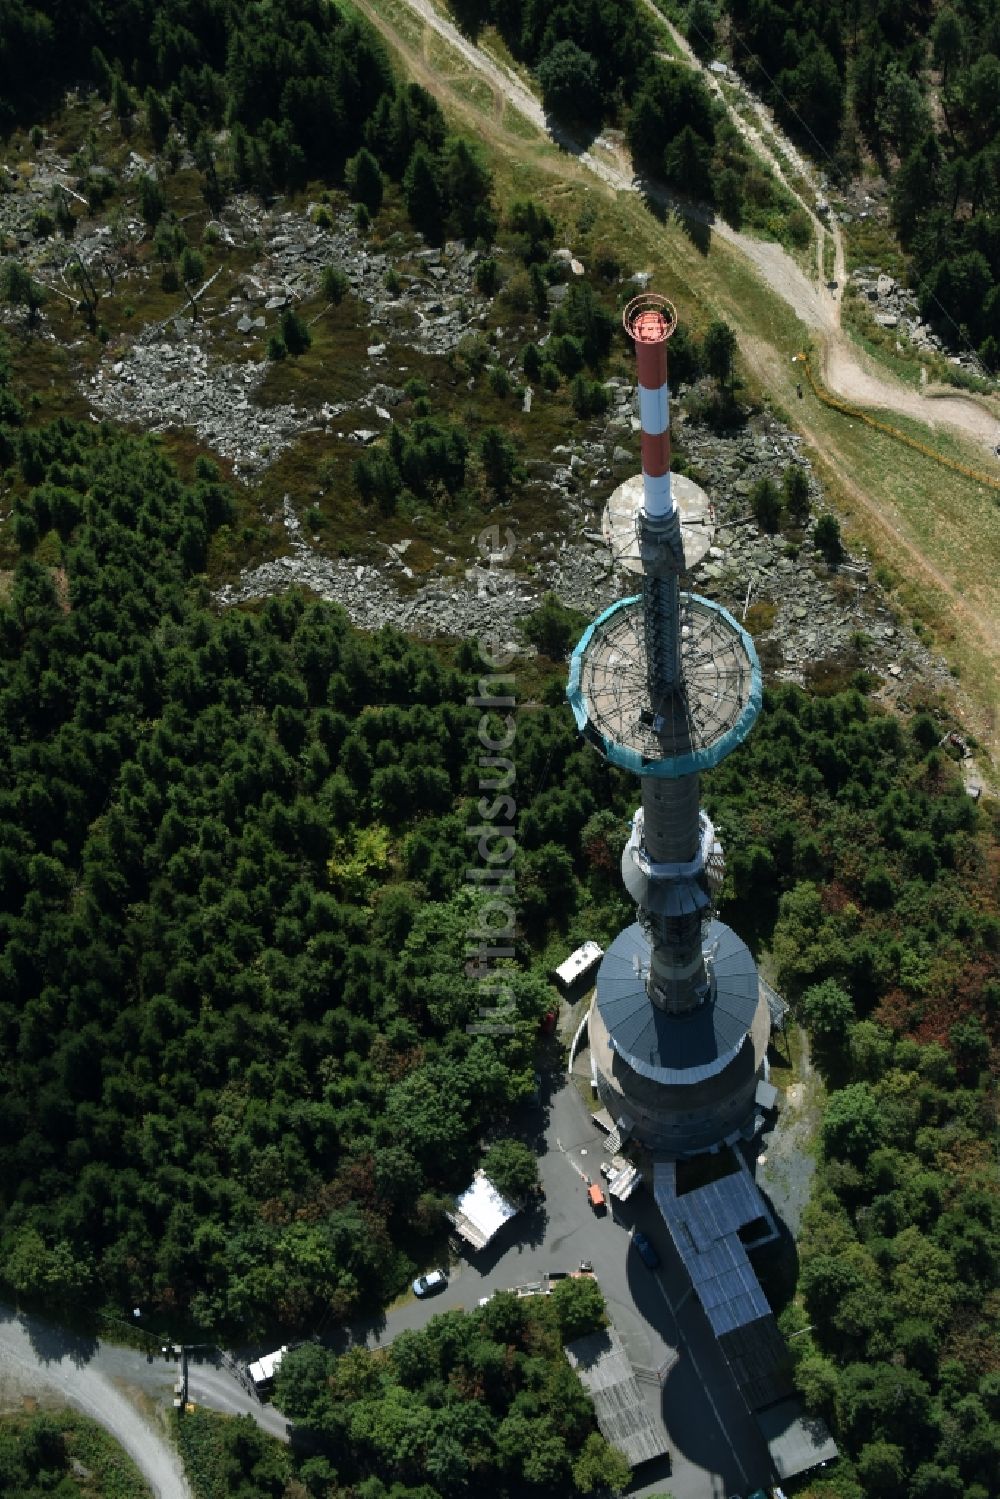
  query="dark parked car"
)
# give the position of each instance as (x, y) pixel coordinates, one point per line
(647, 1253)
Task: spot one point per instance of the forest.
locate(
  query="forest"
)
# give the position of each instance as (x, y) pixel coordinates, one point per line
(597, 60)
(232, 864)
(232, 973)
(915, 91)
(302, 90)
(239, 1089)
(483, 1399)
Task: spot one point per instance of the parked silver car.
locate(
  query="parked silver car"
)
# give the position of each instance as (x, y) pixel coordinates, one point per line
(430, 1284)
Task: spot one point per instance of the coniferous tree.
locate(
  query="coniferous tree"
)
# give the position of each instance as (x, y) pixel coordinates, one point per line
(422, 191)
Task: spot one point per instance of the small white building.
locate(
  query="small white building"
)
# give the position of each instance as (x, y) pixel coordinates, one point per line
(263, 1370)
(579, 965)
(480, 1213)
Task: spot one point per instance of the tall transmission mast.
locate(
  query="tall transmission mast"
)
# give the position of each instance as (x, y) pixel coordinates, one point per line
(666, 684)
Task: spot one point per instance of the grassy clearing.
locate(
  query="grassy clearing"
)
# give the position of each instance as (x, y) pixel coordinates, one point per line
(450, 65)
(788, 1056)
(515, 124)
(940, 532)
(330, 369)
(829, 257)
(586, 1092)
(664, 36)
(672, 10)
(478, 93)
(407, 26)
(871, 242)
(87, 1462)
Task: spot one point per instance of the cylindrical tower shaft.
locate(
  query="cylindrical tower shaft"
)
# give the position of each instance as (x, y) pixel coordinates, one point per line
(671, 829)
(666, 684)
(650, 321)
(670, 813)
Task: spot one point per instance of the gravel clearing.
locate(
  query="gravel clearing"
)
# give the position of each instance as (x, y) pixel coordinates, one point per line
(787, 1162)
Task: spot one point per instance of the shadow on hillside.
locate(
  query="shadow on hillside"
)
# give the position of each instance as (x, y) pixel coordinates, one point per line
(51, 1344)
(468, 17)
(574, 139)
(693, 219)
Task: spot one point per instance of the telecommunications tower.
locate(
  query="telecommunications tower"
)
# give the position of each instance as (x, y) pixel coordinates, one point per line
(666, 684)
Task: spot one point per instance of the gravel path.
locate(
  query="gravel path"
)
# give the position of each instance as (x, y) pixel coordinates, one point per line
(37, 1359)
(787, 1165)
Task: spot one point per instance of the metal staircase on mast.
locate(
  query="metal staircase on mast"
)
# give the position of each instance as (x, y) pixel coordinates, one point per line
(618, 1136)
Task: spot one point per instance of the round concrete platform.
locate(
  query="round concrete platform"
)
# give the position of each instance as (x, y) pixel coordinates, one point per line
(620, 518)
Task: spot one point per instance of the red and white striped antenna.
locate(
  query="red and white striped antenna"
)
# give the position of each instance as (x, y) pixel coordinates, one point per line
(649, 321)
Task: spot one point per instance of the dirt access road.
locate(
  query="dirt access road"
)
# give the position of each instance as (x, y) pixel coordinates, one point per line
(842, 366)
(44, 1362)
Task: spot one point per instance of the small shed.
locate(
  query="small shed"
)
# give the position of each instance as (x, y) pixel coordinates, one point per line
(579, 965)
(797, 1443)
(481, 1212)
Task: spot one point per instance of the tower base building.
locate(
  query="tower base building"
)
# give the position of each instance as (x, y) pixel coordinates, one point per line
(678, 1084)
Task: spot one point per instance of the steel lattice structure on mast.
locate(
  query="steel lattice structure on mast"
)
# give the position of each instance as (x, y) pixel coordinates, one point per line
(667, 684)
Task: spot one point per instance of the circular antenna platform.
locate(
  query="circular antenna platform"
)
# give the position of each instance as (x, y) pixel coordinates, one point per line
(620, 524)
(693, 729)
(649, 318)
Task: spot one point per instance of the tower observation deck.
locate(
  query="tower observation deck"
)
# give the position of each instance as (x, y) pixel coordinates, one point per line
(666, 684)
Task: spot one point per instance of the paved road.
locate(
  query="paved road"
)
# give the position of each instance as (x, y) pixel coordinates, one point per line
(717, 1448)
(113, 1384)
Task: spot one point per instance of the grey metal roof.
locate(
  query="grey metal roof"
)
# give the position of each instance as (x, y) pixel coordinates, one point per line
(796, 1442)
(622, 1414)
(677, 1049)
(766, 1095)
(704, 1225)
(759, 1360)
(719, 1208)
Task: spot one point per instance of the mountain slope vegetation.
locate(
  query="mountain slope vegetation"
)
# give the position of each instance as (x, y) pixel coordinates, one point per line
(916, 91)
(240, 1086)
